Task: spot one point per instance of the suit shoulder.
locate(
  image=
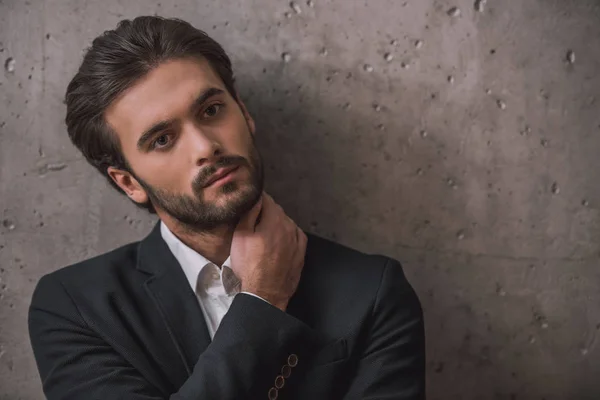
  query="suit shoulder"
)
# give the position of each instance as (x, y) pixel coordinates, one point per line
(329, 250)
(334, 261)
(99, 267)
(347, 280)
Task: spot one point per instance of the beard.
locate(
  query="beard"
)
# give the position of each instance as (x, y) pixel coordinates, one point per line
(199, 216)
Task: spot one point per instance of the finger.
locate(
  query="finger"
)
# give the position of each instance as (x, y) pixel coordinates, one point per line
(268, 214)
(252, 217)
(289, 221)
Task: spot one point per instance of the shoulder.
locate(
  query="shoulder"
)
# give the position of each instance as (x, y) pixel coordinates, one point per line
(341, 257)
(342, 288)
(335, 265)
(97, 270)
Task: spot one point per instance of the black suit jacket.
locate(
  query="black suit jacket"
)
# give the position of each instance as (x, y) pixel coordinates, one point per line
(127, 325)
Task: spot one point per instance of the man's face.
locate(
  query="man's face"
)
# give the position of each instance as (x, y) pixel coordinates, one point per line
(177, 126)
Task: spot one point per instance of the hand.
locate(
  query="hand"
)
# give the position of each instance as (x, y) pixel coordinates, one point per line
(267, 252)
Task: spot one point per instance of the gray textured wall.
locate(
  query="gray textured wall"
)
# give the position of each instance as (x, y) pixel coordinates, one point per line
(478, 170)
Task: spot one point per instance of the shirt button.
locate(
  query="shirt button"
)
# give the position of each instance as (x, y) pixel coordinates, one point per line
(292, 360)
(215, 275)
(279, 382)
(272, 393)
(286, 371)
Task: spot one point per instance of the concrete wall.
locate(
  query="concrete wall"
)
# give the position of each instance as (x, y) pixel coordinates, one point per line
(470, 154)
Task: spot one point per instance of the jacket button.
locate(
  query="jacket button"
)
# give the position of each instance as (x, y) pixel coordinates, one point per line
(272, 393)
(279, 381)
(292, 360)
(286, 371)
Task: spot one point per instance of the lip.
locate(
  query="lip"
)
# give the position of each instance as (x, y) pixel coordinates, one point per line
(221, 173)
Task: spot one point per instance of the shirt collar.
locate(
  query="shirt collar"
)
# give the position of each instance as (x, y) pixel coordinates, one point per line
(190, 260)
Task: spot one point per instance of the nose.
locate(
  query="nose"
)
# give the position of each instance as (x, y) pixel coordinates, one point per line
(202, 144)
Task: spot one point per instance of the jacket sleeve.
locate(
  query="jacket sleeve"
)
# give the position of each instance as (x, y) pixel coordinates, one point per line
(241, 362)
(393, 364)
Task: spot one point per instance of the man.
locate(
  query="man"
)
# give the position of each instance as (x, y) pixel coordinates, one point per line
(226, 298)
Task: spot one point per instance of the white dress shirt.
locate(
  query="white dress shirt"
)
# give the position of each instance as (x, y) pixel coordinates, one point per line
(215, 287)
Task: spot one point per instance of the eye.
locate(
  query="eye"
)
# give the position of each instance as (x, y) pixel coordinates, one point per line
(212, 110)
(160, 142)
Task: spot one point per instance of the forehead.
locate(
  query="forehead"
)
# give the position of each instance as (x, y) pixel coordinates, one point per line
(164, 93)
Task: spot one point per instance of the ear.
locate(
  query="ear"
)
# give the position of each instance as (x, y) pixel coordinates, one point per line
(128, 184)
(247, 116)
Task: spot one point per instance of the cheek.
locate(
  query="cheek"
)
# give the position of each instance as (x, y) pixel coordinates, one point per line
(238, 122)
(170, 175)
(237, 138)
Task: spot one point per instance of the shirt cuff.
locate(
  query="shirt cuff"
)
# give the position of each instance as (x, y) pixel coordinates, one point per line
(255, 295)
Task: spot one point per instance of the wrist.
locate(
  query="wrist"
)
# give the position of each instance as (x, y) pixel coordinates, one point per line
(276, 301)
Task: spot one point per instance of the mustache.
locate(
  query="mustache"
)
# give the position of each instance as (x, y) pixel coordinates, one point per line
(207, 172)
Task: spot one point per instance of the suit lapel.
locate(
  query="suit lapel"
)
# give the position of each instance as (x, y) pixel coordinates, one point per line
(175, 302)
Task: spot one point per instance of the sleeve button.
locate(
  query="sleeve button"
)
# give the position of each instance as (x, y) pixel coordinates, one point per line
(279, 382)
(286, 371)
(273, 393)
(292, 360)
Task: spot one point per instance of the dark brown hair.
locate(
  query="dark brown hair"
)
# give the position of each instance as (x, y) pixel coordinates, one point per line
(114, 62)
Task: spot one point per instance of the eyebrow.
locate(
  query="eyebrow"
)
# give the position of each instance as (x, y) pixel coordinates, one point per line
(162, 125)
